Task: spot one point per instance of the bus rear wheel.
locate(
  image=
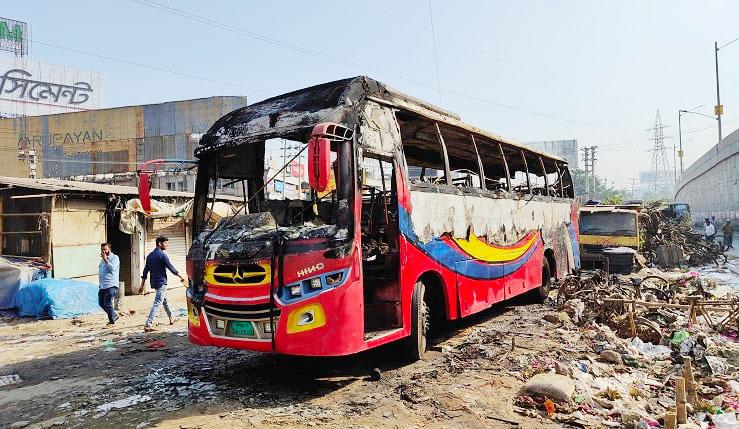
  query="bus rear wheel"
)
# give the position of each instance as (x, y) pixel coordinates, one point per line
(546, 282)
(415, 344)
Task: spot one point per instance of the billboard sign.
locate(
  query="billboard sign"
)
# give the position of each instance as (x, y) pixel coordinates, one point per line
(21, 85)
(13, 36)
(29, 87)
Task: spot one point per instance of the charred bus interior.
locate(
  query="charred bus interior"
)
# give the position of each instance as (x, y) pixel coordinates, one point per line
(444, 155)
(294, 209)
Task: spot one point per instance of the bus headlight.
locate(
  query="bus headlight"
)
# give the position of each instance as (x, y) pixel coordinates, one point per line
(334, 279)
(315, 283)
(295, 290)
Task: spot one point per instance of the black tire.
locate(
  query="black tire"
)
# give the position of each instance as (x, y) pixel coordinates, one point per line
(542, 292)
(415, 345)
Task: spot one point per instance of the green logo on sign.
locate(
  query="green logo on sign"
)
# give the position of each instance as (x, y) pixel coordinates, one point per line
(16, 35)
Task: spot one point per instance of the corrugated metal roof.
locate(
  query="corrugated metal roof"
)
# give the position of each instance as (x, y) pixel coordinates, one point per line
(56, 185)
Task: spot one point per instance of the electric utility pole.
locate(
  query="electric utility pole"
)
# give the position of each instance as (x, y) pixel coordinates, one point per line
(592, 168)
(586, 161)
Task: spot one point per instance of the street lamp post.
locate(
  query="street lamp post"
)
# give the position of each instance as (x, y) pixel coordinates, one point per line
(719, 109)
(680, 113)
(680, 138)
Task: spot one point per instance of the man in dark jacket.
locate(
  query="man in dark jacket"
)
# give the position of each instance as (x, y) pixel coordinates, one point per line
(728, 230)
(157, 263)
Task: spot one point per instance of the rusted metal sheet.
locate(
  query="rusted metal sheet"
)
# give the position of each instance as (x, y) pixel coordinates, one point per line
(78, 229)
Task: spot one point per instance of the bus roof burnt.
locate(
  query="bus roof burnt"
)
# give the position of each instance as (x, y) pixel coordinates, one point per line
(293, 115)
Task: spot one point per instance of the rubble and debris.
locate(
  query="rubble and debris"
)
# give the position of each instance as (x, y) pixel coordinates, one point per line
(661, 233)
(557, 387)
(482, 372)
(121, 403)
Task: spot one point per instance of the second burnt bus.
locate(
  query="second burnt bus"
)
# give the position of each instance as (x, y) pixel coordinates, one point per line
(413, 217)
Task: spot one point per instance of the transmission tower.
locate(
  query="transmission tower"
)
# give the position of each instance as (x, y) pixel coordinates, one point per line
(660, 163)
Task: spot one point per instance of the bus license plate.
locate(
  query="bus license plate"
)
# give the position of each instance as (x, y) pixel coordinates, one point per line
(242, 329)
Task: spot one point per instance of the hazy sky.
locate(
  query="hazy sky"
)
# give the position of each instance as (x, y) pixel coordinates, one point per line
(596, 71)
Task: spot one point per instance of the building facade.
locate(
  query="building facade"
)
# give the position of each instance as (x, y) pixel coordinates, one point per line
(105, 145)
(566, 149)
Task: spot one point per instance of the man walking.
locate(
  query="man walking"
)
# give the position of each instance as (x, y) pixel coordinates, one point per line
(728, 230)
(710, 231)
(157, 263)
(108, 271)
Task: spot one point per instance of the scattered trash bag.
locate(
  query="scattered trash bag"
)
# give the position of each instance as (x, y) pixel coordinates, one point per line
(651, 350)
(724, 421)
(678, 337)
(57, 299)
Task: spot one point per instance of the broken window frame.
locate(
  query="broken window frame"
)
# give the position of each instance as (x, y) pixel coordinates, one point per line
(569, 185)
(444, 155)
(477, 154)
(481, 168)
(507, 170)
(544, 172)
(526, 166)
(559, 181)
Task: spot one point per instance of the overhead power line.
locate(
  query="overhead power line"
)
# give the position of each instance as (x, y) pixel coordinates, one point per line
(436, 53)
(150, 67)
(488, 53)
(359, 66)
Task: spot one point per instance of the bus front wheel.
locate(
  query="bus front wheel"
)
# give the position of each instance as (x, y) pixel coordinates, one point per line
(415, 344)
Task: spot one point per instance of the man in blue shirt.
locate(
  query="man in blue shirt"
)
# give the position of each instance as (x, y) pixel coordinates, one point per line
(108, 271)
(157, 263)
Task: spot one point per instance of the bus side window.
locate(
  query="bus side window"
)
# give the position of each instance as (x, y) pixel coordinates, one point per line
(494, 165)
(421, 148)
(567, 185)
(553, 178)
(536, 176)
(463, 160)
(517, 168)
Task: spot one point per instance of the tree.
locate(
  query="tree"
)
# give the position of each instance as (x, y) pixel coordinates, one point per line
(602, 191)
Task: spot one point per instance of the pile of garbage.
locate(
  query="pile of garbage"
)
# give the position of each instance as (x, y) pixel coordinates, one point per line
(663, 352)
(662, 234)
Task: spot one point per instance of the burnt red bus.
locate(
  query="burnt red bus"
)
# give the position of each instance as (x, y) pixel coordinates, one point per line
(412, 217)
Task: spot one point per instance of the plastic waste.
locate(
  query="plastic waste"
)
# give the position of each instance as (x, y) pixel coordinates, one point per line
(108, 346)
(550, 407)
(725, 421)
(678, 337)
(651, 350)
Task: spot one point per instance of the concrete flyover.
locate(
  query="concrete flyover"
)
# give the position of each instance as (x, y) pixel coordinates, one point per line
(711, 184)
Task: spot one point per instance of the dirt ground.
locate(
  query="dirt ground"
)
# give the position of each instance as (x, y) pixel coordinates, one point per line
(79, 373)
(71, 370)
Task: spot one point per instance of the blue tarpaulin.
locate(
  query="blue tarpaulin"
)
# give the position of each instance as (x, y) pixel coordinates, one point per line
(15, 272)
(57, 299)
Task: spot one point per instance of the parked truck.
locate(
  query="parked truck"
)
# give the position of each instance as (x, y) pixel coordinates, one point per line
(609, 237)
